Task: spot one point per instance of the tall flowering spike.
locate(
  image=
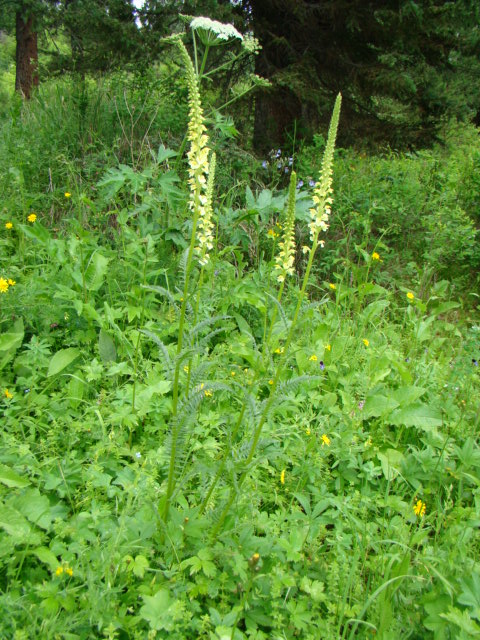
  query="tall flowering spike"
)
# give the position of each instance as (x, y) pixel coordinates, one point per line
(286, 257)
(205, 222)
(198, 152)
(323, 192)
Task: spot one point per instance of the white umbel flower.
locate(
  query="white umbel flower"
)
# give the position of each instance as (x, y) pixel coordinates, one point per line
(208, 28)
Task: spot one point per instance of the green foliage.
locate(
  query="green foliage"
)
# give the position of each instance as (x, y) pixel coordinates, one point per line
(325, 419)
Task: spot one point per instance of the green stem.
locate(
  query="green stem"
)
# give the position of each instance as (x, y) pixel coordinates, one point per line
(173, 453)
(263, 417)
(137, 347)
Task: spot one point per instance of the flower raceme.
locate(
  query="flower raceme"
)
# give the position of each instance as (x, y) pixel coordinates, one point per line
(199, 166)
(323, 192)
(284, 261)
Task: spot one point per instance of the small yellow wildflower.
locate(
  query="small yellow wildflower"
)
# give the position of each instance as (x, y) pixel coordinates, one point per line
(270, 382)
(376, 256)
(67, 194)
(69, 571)
(233, 374)
(7, 394)
(245, 371)
(11, 283)
(3, 285)
(307, 431)
(282, 477)
(271, 233)
(279, 350)
(328, 347)
(32, 217)
(305, 249)
(366, 342)
(313, 358)
(420, 508)
(410, 296)
(325, 440)
(208, 393)
(59, 571)
(332, 286)
(186, 368)
(8, 225)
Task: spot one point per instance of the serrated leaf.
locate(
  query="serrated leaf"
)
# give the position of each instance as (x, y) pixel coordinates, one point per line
(378, 405)
(34, 507)
(61, 360)
(11, 478)
(46, 556)
(159, 611)
(13, 522)
(418, 415)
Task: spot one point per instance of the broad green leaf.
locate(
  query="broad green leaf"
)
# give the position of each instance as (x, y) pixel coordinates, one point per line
(11, 478)
(106, 347)
(159, 610)
(418, 415)
(45, 555)
(391, 460)
(13, 522)
(61, 360)
(10, 341)
(34, 507)
(406, 395)
(378, 405)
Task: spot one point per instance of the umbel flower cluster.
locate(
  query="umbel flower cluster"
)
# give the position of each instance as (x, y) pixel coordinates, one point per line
(323, 192)
(214, 30)
(198, 163)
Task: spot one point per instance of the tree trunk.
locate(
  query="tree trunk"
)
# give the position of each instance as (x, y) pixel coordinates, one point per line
(26, 55)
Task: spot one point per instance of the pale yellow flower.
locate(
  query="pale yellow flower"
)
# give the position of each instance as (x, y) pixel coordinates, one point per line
(284, 261)
(282, 476)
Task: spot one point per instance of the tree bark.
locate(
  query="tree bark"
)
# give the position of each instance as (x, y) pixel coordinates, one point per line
(26, 55)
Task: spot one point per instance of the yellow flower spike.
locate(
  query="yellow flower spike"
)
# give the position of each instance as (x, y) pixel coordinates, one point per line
(282, 477)
(328, 347)
(410, 296)
(325, 440)
(8, 225)
(332, 286)
(305, 249)
(32, 217)
(3, 285)
(366, 342)
(420, 508)
(7, 394)
(285, 260)
(67, 194)
(313, 358)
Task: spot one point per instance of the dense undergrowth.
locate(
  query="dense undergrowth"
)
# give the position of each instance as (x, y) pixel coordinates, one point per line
(358, 515)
